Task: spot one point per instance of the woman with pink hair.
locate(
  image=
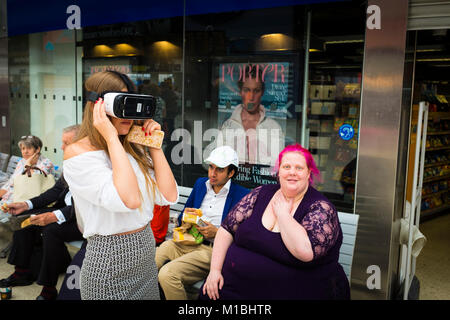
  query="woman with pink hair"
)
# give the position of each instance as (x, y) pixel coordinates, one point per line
(281, 241)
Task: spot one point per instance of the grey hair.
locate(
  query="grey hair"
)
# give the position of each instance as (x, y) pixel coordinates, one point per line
(74, 128)
(30, 142)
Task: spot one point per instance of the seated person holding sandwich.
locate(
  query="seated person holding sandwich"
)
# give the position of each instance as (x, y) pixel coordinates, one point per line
(180, 264)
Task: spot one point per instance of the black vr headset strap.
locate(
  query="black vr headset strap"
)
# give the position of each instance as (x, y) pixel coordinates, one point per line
(92, 96)
(126, 80)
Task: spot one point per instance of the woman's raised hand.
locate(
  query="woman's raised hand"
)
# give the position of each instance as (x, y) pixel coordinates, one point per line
(213, 283)
(150, 126)
(31, 161)
(281, 204)
(101, 121)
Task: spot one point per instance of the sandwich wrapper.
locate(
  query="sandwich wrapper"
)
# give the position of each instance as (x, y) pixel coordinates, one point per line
(187, 233)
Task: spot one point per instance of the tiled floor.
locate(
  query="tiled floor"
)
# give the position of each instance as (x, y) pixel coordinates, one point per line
(22, 293)
(433, 264)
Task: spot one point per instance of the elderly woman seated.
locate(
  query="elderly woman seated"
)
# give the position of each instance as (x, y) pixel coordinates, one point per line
(281, 241)
(30, 147)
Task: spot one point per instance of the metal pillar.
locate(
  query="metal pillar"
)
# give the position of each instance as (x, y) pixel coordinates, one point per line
(379, 172)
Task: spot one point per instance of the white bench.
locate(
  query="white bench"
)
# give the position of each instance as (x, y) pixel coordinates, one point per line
(348, 221)
(12, 164)
(3, 161)
(176, 209)
(76, 244)
(349, 226)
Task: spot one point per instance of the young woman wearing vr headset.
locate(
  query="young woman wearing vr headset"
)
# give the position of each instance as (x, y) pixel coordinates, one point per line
(115, 185)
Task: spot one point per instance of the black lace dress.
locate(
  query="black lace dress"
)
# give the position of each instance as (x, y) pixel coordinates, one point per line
(259, 266)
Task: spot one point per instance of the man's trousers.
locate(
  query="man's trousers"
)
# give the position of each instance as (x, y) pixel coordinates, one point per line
(55, 257)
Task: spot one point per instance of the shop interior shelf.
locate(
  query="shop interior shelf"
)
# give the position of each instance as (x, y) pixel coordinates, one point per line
(437, 133)
(429, 212)
(436, 178)
(439, 115)
(438, 148)
(435, 193)
(427, 165)
(319, 116)
(321, 133)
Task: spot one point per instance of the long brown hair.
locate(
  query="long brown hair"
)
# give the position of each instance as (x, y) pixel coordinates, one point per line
(109, 81)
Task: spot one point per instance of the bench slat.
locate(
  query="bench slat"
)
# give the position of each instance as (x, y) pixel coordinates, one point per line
(348, 218)
(184, 191)
(348, 239)
(348, 229)
(177, 207)
(3, 161)
(347, 249)
(174, 213)
(182, 199)
(12, 164)
(345, 258)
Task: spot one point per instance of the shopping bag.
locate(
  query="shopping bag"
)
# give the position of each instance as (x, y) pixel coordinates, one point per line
(31, 184)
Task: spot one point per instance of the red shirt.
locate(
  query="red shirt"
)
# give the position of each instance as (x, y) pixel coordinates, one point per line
(160, 223)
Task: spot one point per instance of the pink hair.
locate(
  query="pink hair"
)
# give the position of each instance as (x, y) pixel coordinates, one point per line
(315, 173)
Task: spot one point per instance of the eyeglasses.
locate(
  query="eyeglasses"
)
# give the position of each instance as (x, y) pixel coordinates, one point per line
(25, 137)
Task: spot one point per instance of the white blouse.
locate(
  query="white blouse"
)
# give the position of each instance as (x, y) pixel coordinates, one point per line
(98, 207)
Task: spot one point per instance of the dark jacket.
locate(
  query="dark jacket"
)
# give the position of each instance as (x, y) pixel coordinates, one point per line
(55, 194)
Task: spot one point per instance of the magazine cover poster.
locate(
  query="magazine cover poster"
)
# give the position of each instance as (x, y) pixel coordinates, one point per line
(276, 79)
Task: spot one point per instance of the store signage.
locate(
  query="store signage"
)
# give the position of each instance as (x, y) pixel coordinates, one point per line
(30, 16)
(118, 68)
(346, 132)
(237, 72)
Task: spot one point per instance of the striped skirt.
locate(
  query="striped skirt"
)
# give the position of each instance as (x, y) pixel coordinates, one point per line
(120, 267)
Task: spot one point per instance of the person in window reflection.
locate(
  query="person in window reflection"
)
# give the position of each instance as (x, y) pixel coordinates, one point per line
(280, 241)
(259, 138)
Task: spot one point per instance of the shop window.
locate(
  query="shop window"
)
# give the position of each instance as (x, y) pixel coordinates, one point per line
(242, 70)
(243, 85)
(41, 74)
(432, 85)
(150, 53)
(334, 89)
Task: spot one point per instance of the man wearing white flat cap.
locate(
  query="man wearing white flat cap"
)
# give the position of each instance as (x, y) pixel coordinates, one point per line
(182, 265)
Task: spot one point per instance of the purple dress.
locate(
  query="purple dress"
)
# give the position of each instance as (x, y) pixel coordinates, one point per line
(259, 266)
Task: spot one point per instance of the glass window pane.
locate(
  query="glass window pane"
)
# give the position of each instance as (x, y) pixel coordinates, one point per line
(243, 88)
(42, 83)
(150, 53)
(334, 86)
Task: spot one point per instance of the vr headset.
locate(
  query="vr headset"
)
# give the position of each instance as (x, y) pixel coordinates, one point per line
(126, 105)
